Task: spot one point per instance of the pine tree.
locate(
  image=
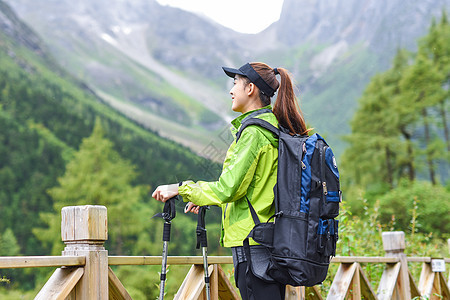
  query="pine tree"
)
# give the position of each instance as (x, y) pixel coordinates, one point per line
(373, 155)
(421, 92)
(8, 244)
(437, 47)
(97, 175)
(401, 121)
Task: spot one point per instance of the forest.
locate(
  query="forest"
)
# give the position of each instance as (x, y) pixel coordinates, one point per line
(399, 147)
(49, 134)
(61, 145)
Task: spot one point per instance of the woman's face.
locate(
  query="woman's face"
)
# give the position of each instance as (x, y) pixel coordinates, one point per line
(239, 95)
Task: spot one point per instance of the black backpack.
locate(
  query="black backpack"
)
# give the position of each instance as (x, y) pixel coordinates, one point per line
(302, 239)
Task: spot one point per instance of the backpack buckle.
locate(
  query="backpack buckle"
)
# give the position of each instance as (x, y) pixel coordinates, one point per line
(325, 190)
(279, 214)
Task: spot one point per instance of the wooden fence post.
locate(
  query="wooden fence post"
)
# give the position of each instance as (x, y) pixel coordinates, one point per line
(84, 229)
(394, 246)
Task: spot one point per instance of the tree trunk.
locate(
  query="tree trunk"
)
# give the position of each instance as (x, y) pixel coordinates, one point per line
(389, 167)
(444, 124)
(427, 143)
(410, 163)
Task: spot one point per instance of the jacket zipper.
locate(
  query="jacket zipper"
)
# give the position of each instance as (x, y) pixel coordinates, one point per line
(325, 191)
(225, 212)
(322, 149)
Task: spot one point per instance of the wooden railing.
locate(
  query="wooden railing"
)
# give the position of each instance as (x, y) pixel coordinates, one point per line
(84, 268)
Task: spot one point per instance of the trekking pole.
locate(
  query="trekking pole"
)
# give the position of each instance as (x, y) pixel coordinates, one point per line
(168, 214)
(202, 241)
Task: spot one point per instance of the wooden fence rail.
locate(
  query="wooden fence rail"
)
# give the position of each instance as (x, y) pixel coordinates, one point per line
(84, 271)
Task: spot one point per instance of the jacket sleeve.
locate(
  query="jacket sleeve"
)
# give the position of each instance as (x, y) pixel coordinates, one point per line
(236, 176)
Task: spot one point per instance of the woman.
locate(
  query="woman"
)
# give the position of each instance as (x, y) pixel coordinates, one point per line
(249, 172)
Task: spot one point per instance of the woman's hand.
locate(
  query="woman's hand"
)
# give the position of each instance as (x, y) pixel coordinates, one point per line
(165, 192)
(191, 207)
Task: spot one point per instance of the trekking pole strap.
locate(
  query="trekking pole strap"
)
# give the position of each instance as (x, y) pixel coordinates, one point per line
(169, 210)
(202, 239)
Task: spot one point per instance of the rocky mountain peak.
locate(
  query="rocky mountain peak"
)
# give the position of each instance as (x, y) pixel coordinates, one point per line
(12, 26)
(381, 24)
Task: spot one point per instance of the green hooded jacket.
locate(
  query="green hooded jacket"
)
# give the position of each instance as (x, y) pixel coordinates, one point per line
(249, 169)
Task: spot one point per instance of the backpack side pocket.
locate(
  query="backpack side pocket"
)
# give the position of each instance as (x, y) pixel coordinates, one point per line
(263, 234)
(327, 232)
(331, 186)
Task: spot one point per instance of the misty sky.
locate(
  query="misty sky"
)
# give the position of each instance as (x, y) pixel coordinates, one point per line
(248, 16)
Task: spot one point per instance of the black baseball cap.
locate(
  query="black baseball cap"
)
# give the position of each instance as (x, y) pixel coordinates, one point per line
(248, 71)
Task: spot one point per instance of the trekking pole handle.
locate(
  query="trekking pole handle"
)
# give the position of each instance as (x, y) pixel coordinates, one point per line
(202, 239)
(166, 232)
(169, 211)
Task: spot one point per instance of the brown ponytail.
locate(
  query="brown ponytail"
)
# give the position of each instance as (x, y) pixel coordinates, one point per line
(286, 107)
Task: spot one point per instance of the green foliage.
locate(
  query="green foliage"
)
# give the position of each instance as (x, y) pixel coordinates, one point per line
(431, 205)
(361, 235)
(354, 231)
(401, 120)
(29, 164)
(60, 145)
(97, 175)
(401, 132)
(4, 279)
(142, 282)
(376, 127)
(44, 117)
(8, 244)
(7, 294)
(9, 278)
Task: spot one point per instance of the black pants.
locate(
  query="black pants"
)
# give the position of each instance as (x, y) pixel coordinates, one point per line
(253, 288)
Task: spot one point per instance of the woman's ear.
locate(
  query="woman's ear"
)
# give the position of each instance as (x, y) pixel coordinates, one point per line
(251, 88)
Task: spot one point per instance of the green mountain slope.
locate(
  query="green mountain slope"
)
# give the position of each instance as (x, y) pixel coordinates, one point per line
(113, 60)
(141, 59)
(44, 115)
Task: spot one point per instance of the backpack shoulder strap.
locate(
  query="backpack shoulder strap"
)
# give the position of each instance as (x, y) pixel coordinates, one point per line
(253, 212)
(260, 122)
(257, 113)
